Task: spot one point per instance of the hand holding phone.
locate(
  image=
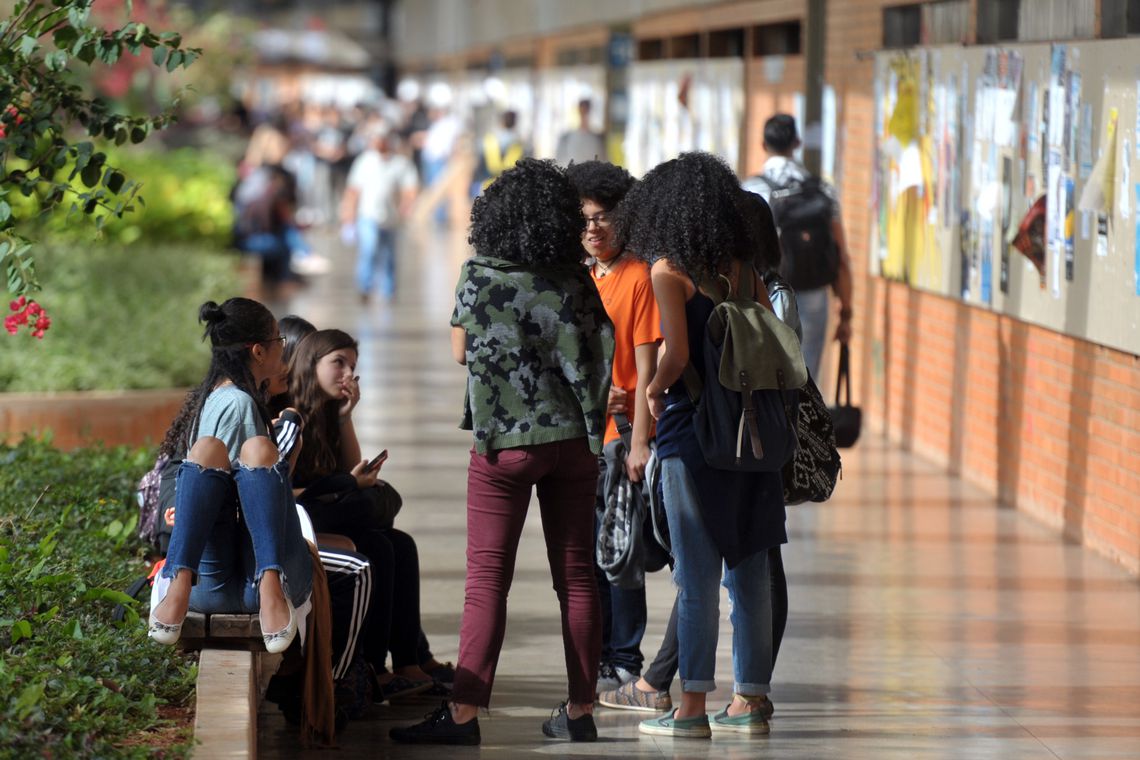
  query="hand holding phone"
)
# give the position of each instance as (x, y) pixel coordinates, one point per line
(375, 463)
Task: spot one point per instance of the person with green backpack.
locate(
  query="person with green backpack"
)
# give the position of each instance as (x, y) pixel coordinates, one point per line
(722, 487)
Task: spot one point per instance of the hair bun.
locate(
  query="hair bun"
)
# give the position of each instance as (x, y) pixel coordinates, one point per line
(211, 313)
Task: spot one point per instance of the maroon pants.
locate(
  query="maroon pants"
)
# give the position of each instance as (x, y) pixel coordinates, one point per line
(499, 486)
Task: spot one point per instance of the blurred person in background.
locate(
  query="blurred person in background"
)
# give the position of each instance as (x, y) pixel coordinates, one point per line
(438, 146)
(582, 144)
(785, 176)
(500, 149)
(382, 186)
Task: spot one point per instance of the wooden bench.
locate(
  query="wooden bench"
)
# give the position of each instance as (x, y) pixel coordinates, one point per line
(233, 671)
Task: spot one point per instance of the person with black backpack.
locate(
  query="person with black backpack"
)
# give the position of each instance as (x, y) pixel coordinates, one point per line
(723, 518)
(815, 257)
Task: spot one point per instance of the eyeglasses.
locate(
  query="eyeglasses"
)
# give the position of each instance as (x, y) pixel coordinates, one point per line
(280, 338)
(601, 219)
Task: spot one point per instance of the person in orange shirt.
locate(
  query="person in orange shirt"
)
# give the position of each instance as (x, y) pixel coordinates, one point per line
(627, 293)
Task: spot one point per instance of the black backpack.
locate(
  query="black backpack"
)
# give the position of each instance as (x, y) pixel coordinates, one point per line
(803, 212)
(745, 408)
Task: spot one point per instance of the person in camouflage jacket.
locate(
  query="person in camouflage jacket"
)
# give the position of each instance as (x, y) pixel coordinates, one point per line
(538, 346)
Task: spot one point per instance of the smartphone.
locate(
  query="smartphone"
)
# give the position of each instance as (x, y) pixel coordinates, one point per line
(375, 463)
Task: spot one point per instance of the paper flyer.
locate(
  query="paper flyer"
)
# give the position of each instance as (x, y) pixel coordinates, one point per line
(1125, 205)
(1086, 224)
(1072, 120)
(1070, 223)
(1102, 235)
(1084, 143)
(987, 263)
(1138, 101)
(1033, 120)
(1136, 247)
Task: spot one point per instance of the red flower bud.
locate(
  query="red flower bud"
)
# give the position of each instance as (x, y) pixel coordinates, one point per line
(38, 334)
(34, 309)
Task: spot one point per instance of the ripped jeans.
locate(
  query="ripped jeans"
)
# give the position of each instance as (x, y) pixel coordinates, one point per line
(230, 527)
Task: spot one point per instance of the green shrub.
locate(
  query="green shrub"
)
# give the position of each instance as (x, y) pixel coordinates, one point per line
(122, 317)
(72, 682)
(186, 200)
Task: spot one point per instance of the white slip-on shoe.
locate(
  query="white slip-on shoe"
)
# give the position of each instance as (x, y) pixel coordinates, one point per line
(163, 633)
(278, 642)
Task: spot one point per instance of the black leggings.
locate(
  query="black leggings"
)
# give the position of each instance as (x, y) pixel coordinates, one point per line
(393, 621)
(664, 666)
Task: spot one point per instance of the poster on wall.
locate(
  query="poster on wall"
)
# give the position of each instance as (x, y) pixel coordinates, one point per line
(1044, 167)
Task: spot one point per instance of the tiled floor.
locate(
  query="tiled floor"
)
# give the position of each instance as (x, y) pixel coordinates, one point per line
(926, 621)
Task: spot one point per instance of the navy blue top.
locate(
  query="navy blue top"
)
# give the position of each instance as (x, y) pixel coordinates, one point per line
(743, 511)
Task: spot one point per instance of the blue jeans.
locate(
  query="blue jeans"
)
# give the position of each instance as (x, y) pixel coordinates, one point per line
(228, 555)
(433, 169)
(376, 254)
(697, 573)
(813, 308)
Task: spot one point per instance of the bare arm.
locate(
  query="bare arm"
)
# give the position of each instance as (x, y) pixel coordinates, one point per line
(843, 283)
(459, 345)
(671, 289)
(645, 359)
(348, 205)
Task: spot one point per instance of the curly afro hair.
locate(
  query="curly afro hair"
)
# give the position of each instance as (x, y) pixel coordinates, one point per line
(601, 182)
(690, 211)
(529, 215)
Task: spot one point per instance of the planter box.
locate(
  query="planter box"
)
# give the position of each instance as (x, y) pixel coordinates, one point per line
(113, 418)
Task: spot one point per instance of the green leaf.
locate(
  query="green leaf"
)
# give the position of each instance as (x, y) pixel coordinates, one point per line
(28, 45)
(114, 529)
(5, 212)
(108, 595)
(56, 61)
(29, 699)
(114, 180)
(159, 55)
(138, 134)
(72, 629)
(65, 37)
(174, 60)
(90, 174)
(21, 630)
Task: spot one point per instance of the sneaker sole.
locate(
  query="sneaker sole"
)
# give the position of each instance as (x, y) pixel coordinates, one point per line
(676, 733)
(567, 737)
(756, 729)
(633, 708)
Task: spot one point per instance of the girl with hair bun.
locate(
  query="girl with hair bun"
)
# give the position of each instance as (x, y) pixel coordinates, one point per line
(236, 544)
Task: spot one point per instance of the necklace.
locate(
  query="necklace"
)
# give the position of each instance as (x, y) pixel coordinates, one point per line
(602, 268)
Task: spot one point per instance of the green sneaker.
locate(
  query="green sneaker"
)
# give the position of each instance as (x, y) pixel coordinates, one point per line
(668, 725)
(753, 723)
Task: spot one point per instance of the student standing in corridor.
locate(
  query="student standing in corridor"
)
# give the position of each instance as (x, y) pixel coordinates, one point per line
(532, 331)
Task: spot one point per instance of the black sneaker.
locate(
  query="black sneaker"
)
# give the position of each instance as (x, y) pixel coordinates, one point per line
(438, 727)
(562, 726)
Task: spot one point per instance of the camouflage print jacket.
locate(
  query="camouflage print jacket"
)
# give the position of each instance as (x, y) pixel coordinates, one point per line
(539, 353)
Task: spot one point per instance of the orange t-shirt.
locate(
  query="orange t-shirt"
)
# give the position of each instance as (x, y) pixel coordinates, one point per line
(627, 294)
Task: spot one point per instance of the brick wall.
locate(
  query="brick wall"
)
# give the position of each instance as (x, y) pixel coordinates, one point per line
(1049, 423)
(131, 418)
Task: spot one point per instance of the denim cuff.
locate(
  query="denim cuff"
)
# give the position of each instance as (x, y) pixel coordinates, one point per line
(694, 687)
(752, 689)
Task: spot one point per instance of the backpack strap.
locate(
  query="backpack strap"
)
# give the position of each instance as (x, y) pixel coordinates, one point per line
(625, 430)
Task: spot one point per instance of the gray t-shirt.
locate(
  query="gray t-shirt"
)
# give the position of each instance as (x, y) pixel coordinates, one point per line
(231, 416)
